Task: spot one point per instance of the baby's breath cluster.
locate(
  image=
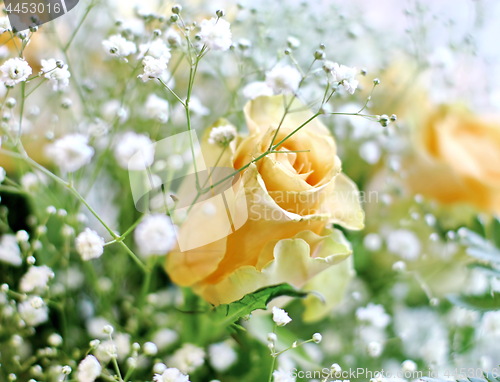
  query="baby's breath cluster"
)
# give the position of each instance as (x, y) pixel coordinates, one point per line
(109, 119)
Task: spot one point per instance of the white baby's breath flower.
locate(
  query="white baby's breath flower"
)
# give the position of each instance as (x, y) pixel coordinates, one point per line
(172, 37)
(156, 48)
(197, 107)
(216, 34)
(222, 135)
(36, 278)
(9, 250)
(171, 375)
(280, 317)
(95, 327)
(404, 243)
(4, 25)
(222, 356)
(163, 338)
(283, 376)
(374, 315)
(117, 45)
(14, 70)
(188, 358)
(57, 75)
(3, 174)
(372, 242)
(157, 108)
(114, 109)
(155, 235)
(257, 89)
(375, 349)
(89, 369)
(134, 151)
(153, 68)
(70, 152)
(344, 75)
(33, 311)
(106, 351)
(283, 79)
(89, 245)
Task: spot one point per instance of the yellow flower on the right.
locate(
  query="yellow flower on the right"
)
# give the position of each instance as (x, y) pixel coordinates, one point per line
(457, 158)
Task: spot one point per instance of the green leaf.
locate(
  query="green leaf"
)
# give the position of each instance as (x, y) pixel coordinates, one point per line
(483, 303)
(495, 231)
(491, 377)
(486, 268)
(479, 247)
(478, 225)
(488, 254)
(229, 313)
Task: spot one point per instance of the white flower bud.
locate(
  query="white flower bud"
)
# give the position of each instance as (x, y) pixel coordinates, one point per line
(317, 337)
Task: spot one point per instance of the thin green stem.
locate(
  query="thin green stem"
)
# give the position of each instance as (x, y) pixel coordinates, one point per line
(80, 23)
(75, 192)
(117, 369)
(273, 365)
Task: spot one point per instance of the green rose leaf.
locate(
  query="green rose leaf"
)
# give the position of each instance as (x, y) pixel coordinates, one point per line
(229, 313)
(483, 303)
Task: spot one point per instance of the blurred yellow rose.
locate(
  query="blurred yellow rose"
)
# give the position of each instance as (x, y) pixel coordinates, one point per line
(457, 158)
(289, 197)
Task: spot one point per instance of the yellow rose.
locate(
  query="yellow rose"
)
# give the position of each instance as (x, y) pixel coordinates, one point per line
(457, 158)
(283, 205)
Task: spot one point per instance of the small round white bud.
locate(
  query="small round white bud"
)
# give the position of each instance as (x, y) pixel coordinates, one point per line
(55, 340)
(399, 266)
(108, 329)
(409, 366)
(220, 13)
(272, 337)
(51, 210)
(5, 287)
(293, 43)
(150, 348)
(319, 55)
(159, 368)
(66, 370)
(66, 103)
(10, 102)
(22, 236)
(176, 9)
(41, 230)
(434, 301)
(335, 368)
(376, 82)
(31, 260)
(132, 362)
(94, 343)
(317, 337)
